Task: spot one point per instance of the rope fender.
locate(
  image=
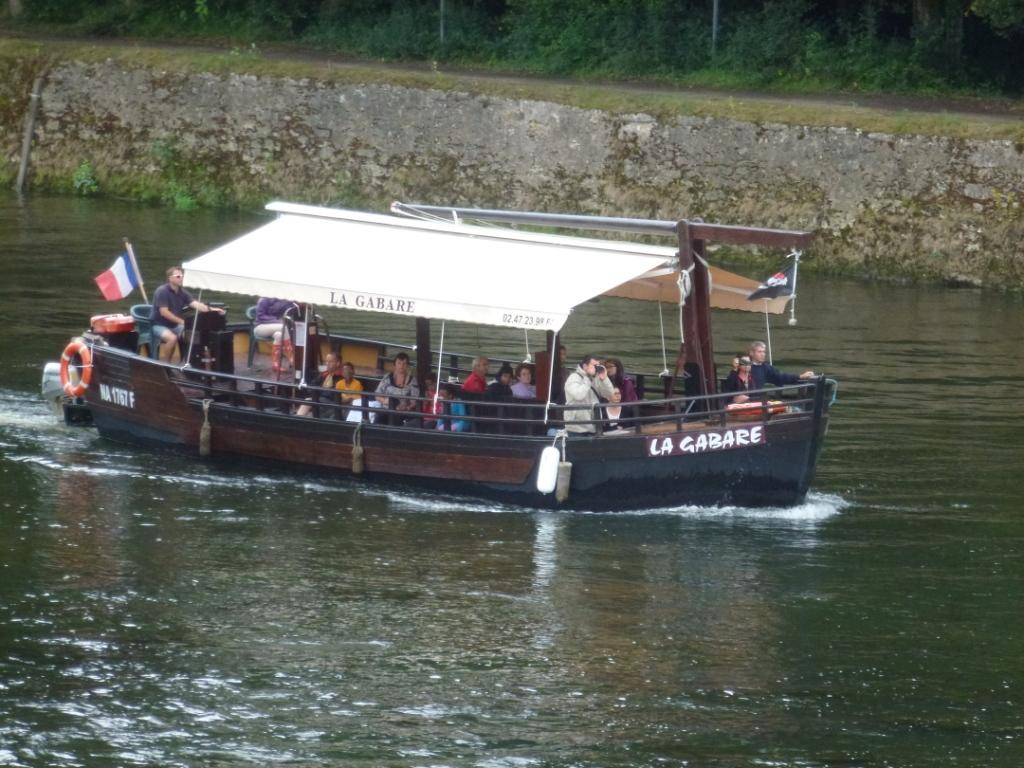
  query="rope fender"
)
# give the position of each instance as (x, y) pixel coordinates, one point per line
(205, 430)
(358, 464)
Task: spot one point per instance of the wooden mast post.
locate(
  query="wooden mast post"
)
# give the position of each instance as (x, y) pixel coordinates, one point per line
(696, 355)
(423, 357)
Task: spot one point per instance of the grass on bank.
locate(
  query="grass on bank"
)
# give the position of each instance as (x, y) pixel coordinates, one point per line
(661, 100)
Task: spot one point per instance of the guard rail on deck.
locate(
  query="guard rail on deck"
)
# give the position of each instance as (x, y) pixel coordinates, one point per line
(512, 418)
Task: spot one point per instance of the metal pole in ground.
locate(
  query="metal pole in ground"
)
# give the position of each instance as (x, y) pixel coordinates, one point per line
(30, 127)
(714, 28)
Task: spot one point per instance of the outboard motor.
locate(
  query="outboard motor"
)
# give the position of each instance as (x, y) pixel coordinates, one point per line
(53, 392)
(73, 409)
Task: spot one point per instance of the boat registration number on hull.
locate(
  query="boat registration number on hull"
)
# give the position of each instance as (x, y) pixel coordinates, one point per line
(715, 440)
(117, 395)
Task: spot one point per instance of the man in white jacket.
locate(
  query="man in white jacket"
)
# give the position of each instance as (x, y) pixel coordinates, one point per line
(584, 387)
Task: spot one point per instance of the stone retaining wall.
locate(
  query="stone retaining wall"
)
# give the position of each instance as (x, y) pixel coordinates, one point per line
(912, 206)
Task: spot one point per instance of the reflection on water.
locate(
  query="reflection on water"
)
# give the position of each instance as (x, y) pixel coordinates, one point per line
(160, 610)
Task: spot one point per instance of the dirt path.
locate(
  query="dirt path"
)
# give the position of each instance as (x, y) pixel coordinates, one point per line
(988, 108)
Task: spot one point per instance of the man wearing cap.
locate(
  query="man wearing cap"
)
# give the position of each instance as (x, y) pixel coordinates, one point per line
(763, 374)
(585, 387)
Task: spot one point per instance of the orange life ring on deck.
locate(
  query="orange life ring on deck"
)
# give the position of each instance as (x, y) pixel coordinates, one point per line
(80, 348)
(755, 408)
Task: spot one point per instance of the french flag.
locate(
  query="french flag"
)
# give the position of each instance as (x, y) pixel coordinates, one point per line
(118, 281)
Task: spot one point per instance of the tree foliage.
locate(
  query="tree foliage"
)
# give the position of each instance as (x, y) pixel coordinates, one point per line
(877, 44)
(1003, 15)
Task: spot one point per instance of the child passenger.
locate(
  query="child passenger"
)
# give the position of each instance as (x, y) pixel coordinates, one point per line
(431, 408)
(455, 408)
(524, 388)
(351, 391)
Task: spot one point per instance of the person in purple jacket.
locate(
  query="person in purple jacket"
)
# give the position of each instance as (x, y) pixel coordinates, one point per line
(270, 317)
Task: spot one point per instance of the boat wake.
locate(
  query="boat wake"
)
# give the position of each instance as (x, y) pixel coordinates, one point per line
(24, 411)
(817, 508)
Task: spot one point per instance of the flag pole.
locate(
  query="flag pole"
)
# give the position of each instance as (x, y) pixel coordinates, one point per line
(768, 332)
(135, 266)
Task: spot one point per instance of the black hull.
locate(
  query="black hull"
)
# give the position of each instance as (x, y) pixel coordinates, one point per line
(608, 472)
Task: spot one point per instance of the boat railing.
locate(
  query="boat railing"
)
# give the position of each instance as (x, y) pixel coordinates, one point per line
(456, 365)
(506, 417)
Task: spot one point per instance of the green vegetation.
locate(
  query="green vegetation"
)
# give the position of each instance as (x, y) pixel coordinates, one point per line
(83, 182)
(918, 46)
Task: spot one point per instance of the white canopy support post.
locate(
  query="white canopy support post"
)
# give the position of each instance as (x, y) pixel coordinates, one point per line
(551, 373)
(440, 357)
(187, 362)
(664, 357)
(305, 346)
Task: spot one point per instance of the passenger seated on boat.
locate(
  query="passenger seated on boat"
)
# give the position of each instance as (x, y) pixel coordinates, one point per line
(619, 379)
(328, 379)
(614, 412)
(446, 399)
(764, 373)
(395, 392)
(625, 384)
(269, 317)
(498, 391)
(524, 388)
(476, 382)
(429, 406)
(524, 391)
(585, 387)
(739, 381)
(351, 389)
(169, 303)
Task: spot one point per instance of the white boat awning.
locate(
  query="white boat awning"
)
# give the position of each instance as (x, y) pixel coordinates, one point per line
(444, 270)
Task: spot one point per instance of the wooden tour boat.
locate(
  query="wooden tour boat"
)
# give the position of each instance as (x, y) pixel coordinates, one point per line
(679, 444)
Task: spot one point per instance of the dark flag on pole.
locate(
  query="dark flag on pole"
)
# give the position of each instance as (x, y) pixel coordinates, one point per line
(782, 283)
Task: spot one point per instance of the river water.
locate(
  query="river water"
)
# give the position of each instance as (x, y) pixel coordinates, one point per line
(156, 610)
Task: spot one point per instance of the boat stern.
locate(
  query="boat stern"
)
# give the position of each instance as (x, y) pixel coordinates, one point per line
(73, 410)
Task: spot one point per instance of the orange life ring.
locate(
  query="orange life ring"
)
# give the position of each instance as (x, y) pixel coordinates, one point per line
(111, 323)
(80, 348)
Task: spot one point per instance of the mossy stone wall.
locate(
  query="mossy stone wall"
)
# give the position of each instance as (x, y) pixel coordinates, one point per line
(916, 207)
